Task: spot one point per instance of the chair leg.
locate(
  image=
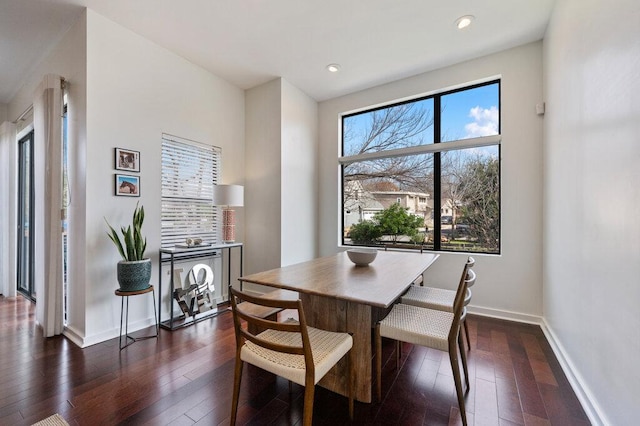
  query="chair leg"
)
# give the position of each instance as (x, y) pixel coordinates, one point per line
(463, 355)
(351, 363)
(237, 376)
(378, 363)
(456, 378)
(466, 332)
(307, 415)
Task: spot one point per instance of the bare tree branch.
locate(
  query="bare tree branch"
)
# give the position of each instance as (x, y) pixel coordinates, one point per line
(385, 129)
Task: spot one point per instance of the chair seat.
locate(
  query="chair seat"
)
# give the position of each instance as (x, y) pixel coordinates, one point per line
(418, 326)
(327, 348)
(430, 297)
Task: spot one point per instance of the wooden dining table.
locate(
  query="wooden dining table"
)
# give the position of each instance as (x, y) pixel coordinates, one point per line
(340, 296)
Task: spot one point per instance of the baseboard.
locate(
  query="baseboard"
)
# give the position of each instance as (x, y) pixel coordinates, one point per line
(73, 335)
(589, 405)
(94, 339)
(506, 315)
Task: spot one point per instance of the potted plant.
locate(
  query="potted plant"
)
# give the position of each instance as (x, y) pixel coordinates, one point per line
(134, 270)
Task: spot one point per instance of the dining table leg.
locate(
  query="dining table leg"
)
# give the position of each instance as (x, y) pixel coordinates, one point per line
(343, 316)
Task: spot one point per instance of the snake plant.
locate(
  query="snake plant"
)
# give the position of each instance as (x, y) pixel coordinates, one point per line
(132, 246)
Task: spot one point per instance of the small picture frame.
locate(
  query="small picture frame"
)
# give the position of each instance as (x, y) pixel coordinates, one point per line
(127, 185)
(127, 159)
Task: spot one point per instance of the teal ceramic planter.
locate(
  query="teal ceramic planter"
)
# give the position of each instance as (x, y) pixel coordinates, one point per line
(134, 275)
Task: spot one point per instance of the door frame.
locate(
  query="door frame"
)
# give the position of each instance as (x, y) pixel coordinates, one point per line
(29, 135)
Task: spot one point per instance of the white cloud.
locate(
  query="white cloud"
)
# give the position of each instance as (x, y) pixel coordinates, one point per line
(485, 122)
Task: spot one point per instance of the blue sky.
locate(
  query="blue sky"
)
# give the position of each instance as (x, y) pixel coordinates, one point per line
(470, 113)
(465, 114)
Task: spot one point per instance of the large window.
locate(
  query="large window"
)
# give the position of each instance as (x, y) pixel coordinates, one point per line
(189, 172)
(425, 173)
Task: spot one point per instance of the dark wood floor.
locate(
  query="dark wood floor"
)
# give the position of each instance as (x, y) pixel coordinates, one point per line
(186, 378)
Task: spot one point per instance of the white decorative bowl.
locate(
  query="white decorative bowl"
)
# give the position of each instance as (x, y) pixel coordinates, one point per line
(362, 256)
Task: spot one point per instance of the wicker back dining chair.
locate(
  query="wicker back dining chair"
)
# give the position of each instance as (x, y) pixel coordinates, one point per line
(430, 328)
(289, 349)
(442, 299)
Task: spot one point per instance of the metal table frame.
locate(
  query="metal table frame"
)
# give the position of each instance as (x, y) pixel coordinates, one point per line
(172, 255)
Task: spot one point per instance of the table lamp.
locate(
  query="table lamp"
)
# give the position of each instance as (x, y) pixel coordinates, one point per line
(228, 196)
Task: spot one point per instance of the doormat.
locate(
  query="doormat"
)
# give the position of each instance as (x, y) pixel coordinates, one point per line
(55, 420)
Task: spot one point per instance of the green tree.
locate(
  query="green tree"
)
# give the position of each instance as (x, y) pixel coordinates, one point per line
(366, 232)
(479, 195)
(396, 221)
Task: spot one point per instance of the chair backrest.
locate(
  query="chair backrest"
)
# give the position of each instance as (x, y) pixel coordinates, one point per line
(471, 280)
(263, 325)
(458, 304)
(471, 262)
(471, 277)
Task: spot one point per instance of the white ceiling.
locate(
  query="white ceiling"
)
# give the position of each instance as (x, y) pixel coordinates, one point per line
(249, 42)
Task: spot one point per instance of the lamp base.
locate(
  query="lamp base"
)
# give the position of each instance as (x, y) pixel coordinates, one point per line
(228, 225)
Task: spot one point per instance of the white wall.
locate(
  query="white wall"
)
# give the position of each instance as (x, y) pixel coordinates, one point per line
(299, 175)
(281, 176)
(509, 284)
(263, 198)
(137, 90)
(592, 200)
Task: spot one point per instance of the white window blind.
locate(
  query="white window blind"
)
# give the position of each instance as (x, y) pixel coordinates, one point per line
(189, 172)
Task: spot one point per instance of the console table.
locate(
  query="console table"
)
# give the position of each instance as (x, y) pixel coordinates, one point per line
(172, 255)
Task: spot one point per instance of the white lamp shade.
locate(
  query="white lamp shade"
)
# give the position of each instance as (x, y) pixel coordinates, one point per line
(228, 195)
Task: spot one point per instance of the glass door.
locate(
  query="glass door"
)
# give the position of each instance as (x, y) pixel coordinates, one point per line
(66, 200)
(25, 217)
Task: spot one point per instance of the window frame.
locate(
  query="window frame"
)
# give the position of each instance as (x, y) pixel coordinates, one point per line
(435, 148)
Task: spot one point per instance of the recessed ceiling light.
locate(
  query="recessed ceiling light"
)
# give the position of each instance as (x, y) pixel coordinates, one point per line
(464, 21)
(333, 67)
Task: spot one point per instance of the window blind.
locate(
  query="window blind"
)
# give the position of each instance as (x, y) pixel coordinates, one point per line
(189, 172)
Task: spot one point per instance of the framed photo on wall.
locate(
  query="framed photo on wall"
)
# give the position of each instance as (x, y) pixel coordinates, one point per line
(127, 185)
(127, 159)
